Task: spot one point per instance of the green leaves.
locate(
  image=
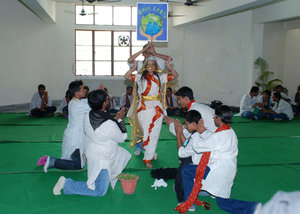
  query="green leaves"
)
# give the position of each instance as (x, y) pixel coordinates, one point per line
(264, 75)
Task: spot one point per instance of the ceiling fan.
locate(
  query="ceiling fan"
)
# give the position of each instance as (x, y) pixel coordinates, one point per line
(187, 2)
(83, 13)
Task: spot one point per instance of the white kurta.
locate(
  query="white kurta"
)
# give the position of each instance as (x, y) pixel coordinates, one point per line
(223, 146)
(146, 116)
(207, 114)
(188, 151)
(123, 100)
(36, 101)
(246, 103)
(74, 137)
(102, 151)
(284, 107)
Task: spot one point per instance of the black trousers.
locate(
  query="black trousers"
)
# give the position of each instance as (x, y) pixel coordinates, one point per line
(74, 163)
(39, 113)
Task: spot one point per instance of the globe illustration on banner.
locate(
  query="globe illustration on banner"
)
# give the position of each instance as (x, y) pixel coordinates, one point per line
(151, 24)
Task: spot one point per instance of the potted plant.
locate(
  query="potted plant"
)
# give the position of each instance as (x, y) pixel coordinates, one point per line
(128, 182)
(264, 74)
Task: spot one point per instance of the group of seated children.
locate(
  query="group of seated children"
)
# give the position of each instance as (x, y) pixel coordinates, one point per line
(275, 106)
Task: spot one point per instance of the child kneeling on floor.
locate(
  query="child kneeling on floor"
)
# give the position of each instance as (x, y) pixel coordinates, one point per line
(105, 159)
(217, 169)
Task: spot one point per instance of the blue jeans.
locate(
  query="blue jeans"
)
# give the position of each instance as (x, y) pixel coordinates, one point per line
(260, 115)
(188, 173)
(279, 116)
(234, 206)
(247, 114)
(72, 187)
(74, 163)
(139, 146)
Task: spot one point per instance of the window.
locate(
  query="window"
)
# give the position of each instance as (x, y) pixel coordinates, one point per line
(105, 52)
(106, 15)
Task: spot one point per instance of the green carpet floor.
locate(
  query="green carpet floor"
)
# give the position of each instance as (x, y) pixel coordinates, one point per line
(268, 161)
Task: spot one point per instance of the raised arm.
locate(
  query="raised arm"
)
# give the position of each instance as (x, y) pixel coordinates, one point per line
(162, 56)
(132, 58)
(131, 70)
(171, 69)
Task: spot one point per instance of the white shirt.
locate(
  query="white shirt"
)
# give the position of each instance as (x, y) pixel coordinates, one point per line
(284, 107)
(207, 114)
(123, 99)
(223, 146)
(102, 150)
(247, 102)
(188, 151)
(36, 101)
(74, 137)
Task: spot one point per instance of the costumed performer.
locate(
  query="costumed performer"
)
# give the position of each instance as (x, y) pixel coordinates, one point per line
(146, 111)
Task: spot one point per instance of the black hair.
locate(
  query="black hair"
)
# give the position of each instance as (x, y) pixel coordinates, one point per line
(225, 113)
(75, 86)
(169, 88)
(68, 93)
(268, 92)
(192, 116)
(41, 86)
(145, 72)
(279, 86)
(277, 95)
(96, 99)
(185, 92)
(254, 89)
(86, 87)
(128, 87)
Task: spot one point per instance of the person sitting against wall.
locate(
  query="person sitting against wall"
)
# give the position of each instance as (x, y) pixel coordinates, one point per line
(248, 103)
(282, 110)
(264, 103)
(279, 89)
(171, 101)
(125, 99)
(41, 104)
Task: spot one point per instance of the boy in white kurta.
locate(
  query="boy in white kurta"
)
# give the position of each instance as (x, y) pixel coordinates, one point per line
(282, 110)
(150, 110)
(74, 138)
(186, 138)
(106, 160)
(248, 103)
(221, 168)
(41, 104)
(185, 98)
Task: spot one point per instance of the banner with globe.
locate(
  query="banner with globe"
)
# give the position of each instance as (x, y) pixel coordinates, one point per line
(152, 21)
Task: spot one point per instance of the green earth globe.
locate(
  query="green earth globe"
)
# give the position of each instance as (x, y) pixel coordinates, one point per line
(151, 24)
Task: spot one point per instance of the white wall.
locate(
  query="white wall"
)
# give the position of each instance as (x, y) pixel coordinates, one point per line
(280, 41)
(214, 58)
(291, 76)
(26, 54)
(217, 58)
(274, 48)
